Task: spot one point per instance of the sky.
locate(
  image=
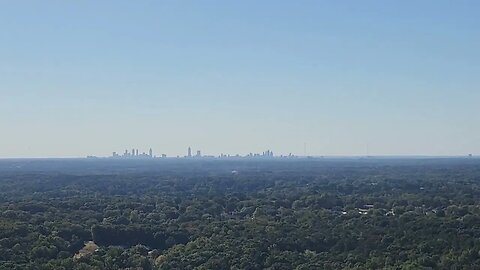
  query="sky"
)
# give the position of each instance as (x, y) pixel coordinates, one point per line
(370, 77)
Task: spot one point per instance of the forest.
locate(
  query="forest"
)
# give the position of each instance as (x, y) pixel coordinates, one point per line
(240, 214)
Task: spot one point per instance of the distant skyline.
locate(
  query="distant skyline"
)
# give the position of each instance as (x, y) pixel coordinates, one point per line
(343, 77)
(136, 154)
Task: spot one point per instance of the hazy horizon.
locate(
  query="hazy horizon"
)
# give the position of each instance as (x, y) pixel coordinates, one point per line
(346, 78)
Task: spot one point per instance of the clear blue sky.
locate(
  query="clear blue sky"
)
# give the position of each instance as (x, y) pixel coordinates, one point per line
(92, 77)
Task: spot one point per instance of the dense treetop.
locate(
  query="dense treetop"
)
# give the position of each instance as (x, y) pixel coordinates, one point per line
(278, 214)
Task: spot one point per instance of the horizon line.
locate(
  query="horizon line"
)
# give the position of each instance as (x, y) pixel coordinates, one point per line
(404, 156)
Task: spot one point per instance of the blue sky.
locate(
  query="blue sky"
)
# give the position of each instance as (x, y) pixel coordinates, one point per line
(92, 77)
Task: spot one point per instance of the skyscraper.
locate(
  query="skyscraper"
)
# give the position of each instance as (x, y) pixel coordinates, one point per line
(150, 152)
(189, 152)
(199, 154)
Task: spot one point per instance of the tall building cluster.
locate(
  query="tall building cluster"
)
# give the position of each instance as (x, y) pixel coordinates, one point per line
(190, 154)
(134, 154)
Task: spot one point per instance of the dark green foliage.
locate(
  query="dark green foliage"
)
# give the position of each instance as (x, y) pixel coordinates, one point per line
(121, 235)
(271, 215)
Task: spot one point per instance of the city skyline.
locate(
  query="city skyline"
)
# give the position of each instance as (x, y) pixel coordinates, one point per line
(134, 154)
(264, 154)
